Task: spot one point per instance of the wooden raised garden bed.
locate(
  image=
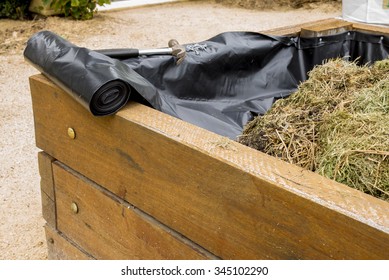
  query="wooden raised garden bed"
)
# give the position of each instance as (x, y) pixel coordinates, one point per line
(144, 185)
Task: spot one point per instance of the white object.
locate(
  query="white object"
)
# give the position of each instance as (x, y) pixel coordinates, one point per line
(369, 11)
(121, 4)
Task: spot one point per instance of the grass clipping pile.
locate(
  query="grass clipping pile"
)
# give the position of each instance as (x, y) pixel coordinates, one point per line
(336, 124)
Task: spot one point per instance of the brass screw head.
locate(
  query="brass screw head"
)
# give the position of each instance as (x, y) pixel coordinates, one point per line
(74, 207)
(71, 133)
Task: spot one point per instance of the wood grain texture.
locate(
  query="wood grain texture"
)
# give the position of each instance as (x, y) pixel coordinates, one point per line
(235, 202)
(46, 173)
(109, 228)
(294, 30)
(371, 28)
(62, 248)
(325, 30)
(326, 27)
(47, 188)
(48, 209)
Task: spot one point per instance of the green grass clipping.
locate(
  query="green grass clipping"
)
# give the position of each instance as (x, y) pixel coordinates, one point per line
(336, 124)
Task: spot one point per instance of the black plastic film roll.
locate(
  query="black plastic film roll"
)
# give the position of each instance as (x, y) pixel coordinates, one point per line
(109, 98)
(93, 79)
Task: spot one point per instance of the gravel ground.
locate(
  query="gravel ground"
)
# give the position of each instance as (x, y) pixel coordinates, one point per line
(21, 224)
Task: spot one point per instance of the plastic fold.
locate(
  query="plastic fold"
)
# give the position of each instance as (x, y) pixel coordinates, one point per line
(221, 85)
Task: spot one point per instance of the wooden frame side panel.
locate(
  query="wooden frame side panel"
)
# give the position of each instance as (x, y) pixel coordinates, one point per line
(110, 228)
(62, 248)
(231, 200)
(47, 188)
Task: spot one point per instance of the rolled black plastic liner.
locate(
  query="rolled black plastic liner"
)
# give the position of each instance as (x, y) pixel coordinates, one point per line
(220, 86)
(101, 84)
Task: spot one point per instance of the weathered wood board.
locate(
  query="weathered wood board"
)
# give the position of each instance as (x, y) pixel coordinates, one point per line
(62, 248)
(47, 189)
(109, 228)
(209, 196)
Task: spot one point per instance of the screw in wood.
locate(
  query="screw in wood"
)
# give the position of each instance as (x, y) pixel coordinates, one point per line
(74, 207)
(71, 133)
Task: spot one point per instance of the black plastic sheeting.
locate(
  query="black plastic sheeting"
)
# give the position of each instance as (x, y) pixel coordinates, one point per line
(220, 86)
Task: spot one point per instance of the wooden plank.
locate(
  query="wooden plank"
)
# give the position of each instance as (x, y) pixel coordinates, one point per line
(46, 173)
(234, 201)
(371, 28)
(326, 27)
(61, 248)
(47, 188)
(48, 209)
(294, 30)
(330, 28)
(109, 228)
